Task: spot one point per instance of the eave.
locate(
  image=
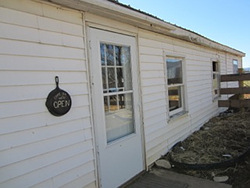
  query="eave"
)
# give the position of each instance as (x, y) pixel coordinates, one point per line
(123, 13)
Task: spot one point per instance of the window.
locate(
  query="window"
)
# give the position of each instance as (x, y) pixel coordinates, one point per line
(117, 90)
(216, 76)
(235, 66)
(175, 85)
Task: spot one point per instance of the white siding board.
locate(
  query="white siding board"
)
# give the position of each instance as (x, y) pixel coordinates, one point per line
(152, 112)
(83, 181)
(42, 174)
(42, 147)
(151, 66)
(18, 18)
(153, 89)
(151, 59)
(149, 43)
(22, 78)
(158, 124)
(12, 124)
(150, 51)
(76, 177)
(35, 49)
(28, 63)
(154, 97)
(43, 160)
(39, 42)
(152, 82)
(159, 136)
(152, 74)
(46, 10)
(38, 92)
(154, 104)
(151, 121)
(8, 141)
(31, 107)
(29, 20)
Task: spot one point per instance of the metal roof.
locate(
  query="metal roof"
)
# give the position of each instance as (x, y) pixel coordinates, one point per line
(115, 10)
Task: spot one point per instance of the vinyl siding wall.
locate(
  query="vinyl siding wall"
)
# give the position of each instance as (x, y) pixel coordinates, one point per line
(38, 42)
(161, 133)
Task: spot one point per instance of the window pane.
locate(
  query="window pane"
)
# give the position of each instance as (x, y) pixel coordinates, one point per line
(102, 49)
(125, 60)
(120, 78)
(215, 66)
(216, 83)
(174, 71)
(111, 79)
(120, 122)
(110, 54)
(235, 66)
(113, 103)
(118, 55)
(125, 55)
(174, 94)
(117, 78)
(104, 80)
(106, 104)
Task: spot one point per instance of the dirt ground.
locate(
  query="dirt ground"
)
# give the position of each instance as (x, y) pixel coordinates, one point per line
(219, 149)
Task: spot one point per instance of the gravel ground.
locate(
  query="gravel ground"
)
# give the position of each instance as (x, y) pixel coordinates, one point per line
(224, 138)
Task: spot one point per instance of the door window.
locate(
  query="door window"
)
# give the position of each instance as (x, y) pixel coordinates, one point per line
(117, 91)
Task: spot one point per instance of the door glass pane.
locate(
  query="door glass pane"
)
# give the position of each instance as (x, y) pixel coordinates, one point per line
(102, 49)
(119, 119)
(120, 78)
(118, 55)
(117, 87)
(104, 80)
(174, 94)
(110, 54)
(111, 79)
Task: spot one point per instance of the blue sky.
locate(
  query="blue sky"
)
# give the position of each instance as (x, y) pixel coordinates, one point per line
(224, 21)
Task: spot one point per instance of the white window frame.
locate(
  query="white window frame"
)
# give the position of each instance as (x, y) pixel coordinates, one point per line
(216, 74)
(181, 110)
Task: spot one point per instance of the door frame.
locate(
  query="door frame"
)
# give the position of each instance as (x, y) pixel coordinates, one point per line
(138, 92)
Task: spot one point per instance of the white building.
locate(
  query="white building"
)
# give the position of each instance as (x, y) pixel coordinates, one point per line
(138, 86)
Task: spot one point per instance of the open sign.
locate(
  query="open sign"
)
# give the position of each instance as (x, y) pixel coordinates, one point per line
(58, 101)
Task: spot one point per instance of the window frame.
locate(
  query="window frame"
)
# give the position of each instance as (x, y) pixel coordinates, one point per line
(182, 86)
(216, 73)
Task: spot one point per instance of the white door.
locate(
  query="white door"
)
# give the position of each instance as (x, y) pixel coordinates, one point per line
(114, 83)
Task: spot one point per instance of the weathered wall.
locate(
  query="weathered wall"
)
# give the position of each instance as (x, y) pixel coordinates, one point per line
(161, 133)
(38, 42)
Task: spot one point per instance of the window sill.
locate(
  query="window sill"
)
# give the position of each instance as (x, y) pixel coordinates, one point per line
(178, 116)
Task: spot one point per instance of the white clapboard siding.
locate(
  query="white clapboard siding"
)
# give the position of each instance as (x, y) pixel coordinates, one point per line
(38, 42)
(12, 124)
(160, 133)
(29, 63)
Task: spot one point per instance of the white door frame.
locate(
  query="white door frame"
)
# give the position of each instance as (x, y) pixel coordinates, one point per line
(136, 91)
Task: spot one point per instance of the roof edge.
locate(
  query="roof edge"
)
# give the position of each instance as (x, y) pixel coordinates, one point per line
(124, 13)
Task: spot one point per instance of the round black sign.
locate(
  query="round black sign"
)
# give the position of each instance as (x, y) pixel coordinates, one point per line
(58, 101)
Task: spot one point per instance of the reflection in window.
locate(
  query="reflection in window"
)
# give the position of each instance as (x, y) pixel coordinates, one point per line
(175, 85)
(235, 66)
(117, 91)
